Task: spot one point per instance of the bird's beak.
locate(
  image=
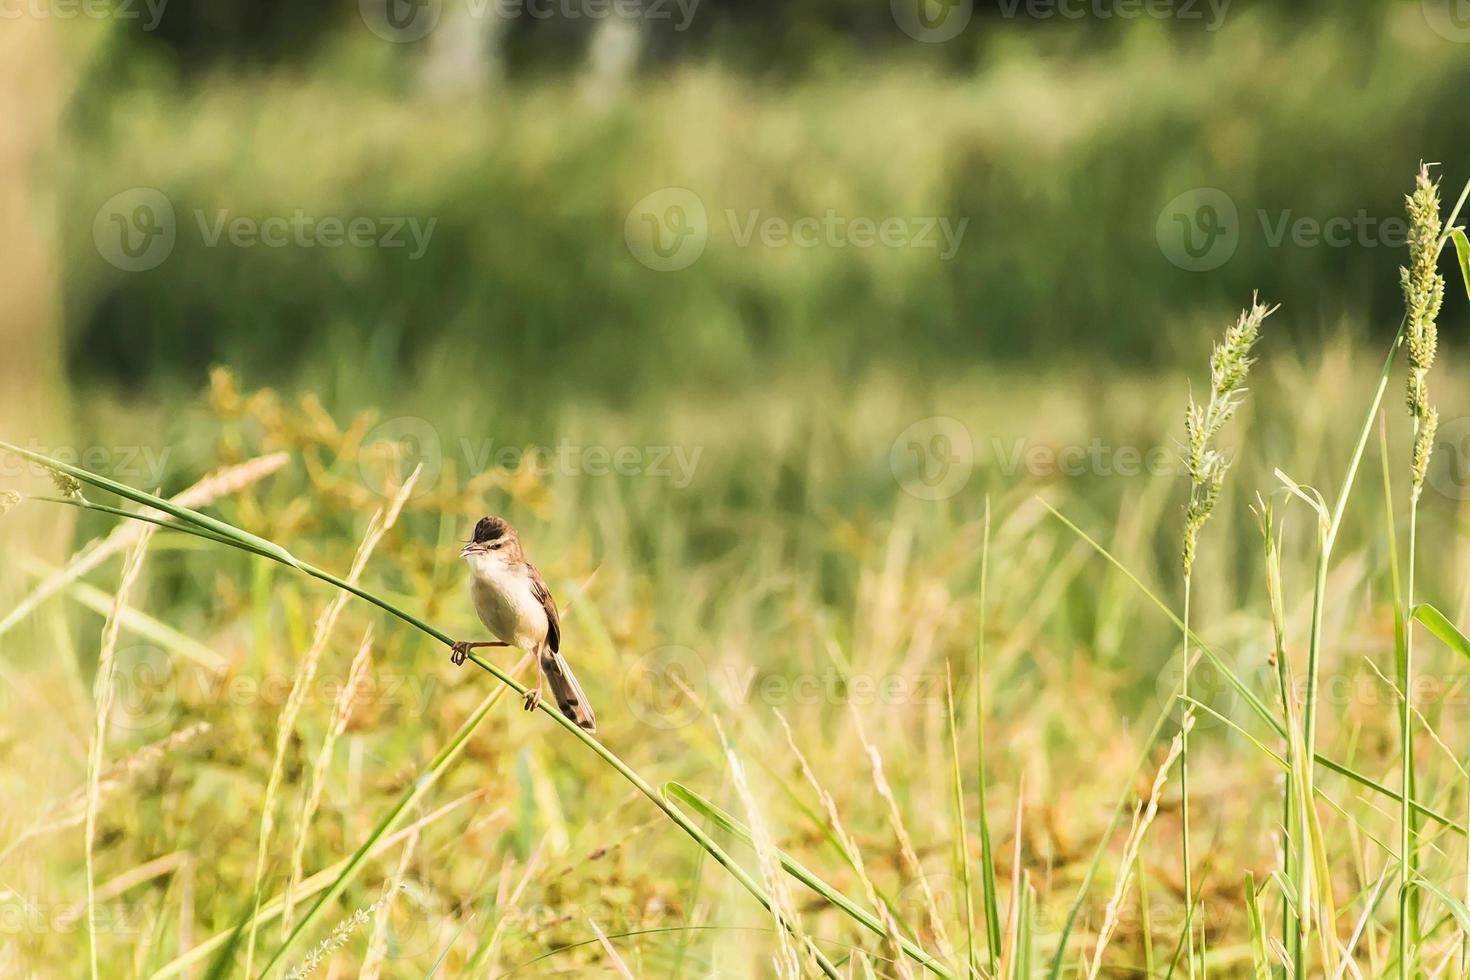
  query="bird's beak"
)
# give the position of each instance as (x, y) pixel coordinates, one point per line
(470, 549)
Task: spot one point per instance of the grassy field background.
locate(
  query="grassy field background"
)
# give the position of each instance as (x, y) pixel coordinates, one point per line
(758, 487)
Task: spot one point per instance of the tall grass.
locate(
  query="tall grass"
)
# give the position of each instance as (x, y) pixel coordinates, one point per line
(201, 525)
(1423, 288)
(893, 797)
(1206, 464)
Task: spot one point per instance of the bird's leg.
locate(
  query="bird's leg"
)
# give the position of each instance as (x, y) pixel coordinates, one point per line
(533, 696)
(462, 648)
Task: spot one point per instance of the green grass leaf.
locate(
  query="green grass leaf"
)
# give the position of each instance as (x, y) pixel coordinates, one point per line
(1462, 250)
(1444, 630)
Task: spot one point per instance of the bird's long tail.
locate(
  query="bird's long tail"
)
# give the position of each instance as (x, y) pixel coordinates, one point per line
(569, 696)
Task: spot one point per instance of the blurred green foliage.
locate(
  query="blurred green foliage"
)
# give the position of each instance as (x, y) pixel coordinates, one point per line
(1061, 146)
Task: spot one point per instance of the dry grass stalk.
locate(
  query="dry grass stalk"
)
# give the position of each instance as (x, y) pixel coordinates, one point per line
(318, 882)
(341, 714)
(854, 854)
(103, 695)
(505, 903)
(223, 483)
(372, 964)
(900, 831)
(1143, 816)
(71, 809)
(379, 525)
(612, 954)
(1010, 952)
(792, 959)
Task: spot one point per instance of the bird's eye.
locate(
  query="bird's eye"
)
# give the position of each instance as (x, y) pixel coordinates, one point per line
(495, 546)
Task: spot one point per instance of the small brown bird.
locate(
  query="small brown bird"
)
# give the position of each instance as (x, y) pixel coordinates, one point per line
(514, 604)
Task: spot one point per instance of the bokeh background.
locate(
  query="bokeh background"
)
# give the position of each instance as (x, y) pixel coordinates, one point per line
(740, 311)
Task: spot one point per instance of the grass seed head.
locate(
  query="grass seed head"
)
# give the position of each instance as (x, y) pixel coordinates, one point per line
(1230, 363)
(67, 486)
(1423, 288)
(1423, 449)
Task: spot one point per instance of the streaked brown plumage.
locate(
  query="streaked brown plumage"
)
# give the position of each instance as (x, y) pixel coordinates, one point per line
(513, 602)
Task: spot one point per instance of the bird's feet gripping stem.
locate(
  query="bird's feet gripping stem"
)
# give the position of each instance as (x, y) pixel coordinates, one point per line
(462, 648)
(533, 696)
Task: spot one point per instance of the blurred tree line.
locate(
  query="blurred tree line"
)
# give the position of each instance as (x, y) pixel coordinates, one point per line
(1060, 142)
(756, 37)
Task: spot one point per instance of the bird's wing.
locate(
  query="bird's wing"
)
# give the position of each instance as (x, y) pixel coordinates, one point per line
(543, 594)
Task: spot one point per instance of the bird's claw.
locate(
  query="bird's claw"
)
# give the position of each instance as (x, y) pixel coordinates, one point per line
(533, 698)
(461, 650)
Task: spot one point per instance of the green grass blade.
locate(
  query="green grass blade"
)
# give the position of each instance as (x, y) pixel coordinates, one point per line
(1462, 251)
(218, 527)
(1453, 904)
(1025, 935)
(385, 825)
(1259, 960)
(1444, 630)
(223, 962)
(987, 855)
(1248, 696)
(962, 838)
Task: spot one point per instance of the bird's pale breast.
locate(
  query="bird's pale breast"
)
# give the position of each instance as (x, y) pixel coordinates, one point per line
(508, 607)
